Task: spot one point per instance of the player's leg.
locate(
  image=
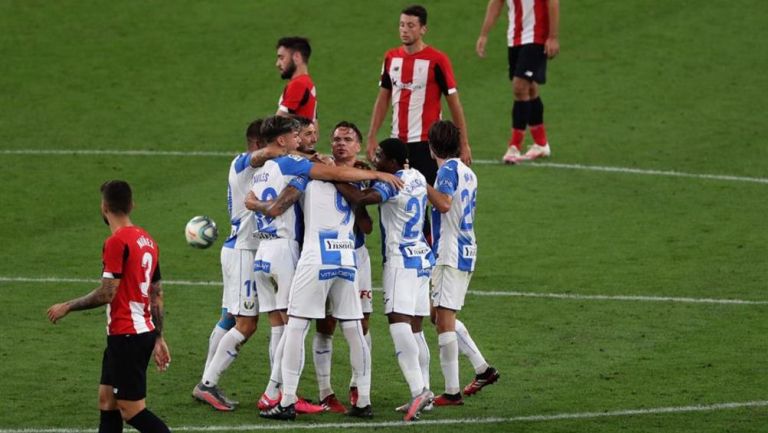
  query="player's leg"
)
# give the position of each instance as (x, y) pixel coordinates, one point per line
(425, 356)
(322, 354)
(110, 420)
(228, 296)
(449, 287)
(520, 107)
(534, 62)
(363, 283)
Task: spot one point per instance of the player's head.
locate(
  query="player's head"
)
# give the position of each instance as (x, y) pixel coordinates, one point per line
(346, 140)
(253, 135)
(391, 156)
(413, 24)
(292, 51)
(116, 199)
(444, 139)
(307, 134)
(281, 131)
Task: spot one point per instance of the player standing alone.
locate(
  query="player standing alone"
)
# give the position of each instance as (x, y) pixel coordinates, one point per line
(532, 38)
(131, 289)
(299, 96)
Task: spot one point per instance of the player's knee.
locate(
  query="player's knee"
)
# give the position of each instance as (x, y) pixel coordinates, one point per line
(521, 89)
(364, 324)
(106, 398)
(246, 326)
(129, 409)
(227, 321)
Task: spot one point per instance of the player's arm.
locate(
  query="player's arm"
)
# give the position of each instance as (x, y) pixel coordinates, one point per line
(273, 208)
(457, 115)
(161, 353)
(350, 174)
(377, 118)
(358, 197)
(261, 156)
(363, 220)
(97, 297)
(440, 201)
(552, 44)
(492, 13)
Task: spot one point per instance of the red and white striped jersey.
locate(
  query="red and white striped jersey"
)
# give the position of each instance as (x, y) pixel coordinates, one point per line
(299, 97)
(528, 22)
(130, 255)
(416, 81)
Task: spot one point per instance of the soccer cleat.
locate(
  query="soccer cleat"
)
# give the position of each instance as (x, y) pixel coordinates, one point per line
(448, 400)
(280, 413)
(266, 403)
(332, 404)
(307, 408)
(536, 151)
(213, 396)
(488, 377)
(512, 156)
(360, 412)
(404, 408)
(352, 395)
(417, 404)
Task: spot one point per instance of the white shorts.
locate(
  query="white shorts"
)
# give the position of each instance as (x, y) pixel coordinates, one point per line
(318, 290)
(405, 291)
(364, 279)
(274, 265)
(449, 287)
(239, 296)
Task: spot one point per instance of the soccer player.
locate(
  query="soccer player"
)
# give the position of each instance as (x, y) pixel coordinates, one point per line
(280, 230)
(453, 216)
(532, 38)
(413, 78)
(131, 289)
(407, 262)
(299, 96)
(239, 305)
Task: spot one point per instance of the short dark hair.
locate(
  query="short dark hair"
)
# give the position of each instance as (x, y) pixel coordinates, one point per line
(444, 139)
(348, 125)
(296, 43)
(303, 121)
(276, 126)
(416, 11)
(395, 149)
(253, 133)
(117, 196)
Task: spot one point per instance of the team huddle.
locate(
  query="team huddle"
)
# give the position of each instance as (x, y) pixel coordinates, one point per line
(296, 252)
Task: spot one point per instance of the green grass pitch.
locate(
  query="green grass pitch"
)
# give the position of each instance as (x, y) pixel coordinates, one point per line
(654, 86)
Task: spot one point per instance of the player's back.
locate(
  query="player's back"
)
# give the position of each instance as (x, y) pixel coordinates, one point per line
(328, 226)
(401, 216)
(453, 232)
(131, 255)
(268, 182)
(240, 218)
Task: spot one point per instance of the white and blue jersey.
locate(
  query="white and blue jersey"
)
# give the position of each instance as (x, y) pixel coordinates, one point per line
(328, 226)
(401, 217)
(453, 232)
(268, 182)
(240, 218)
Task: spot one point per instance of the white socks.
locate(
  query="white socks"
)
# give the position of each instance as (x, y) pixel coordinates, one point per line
(229, 346)
(468, 347)
(359, 359)
(424, 356)
(449, 361)
(293, 358)
(276, 373)
(213, 342)
(407, 353)
(274, 339)
(369, 342)
(322, 353)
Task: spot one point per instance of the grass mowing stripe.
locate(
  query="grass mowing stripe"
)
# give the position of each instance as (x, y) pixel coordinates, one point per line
(624, 170)
(455, 421)
(491, 293)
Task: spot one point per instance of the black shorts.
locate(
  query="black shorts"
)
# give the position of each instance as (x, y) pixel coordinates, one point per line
(528, 61)
(124, 365)
(420, 159)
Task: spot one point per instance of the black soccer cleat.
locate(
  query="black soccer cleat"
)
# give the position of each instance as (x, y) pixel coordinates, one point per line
(360, 412)
(280, 413)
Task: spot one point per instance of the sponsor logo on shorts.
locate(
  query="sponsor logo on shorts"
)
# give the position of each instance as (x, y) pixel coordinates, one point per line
(469, 251)
(261, 266)
(249, 305)
(343, 273)
(366, 294)
(529, 73)
(423, 272)
(339, 244)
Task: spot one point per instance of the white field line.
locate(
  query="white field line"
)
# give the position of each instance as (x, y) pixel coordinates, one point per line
(438, 422)
(623, 170)
(495, 293)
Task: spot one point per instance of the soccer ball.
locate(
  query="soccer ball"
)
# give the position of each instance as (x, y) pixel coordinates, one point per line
(201, 232)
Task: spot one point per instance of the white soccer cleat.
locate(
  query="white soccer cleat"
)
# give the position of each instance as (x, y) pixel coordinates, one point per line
(536, 151)
(512, 156)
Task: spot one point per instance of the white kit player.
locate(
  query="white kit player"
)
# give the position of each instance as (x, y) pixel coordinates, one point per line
(279, 223)
(237, 255)
(407, 262)
(454, 199)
